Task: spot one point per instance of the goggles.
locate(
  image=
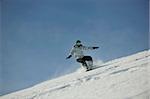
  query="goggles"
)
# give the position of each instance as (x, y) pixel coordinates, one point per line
(78, 43)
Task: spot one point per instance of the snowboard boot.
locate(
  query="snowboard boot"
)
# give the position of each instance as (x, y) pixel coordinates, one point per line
(85, 66)
(90, 65)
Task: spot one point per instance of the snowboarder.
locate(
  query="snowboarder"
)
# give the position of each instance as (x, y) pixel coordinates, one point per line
(77, 52)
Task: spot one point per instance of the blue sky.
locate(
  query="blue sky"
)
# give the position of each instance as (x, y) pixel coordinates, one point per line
(37, 35)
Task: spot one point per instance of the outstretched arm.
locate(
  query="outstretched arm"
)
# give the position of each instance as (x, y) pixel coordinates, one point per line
(71, 53)
(89, 48)
(95, 47)
(69, 57)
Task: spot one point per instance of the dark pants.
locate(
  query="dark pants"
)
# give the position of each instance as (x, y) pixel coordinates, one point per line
(84, 59)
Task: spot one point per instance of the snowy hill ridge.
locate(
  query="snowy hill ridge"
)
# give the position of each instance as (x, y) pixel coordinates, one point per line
(124, 78)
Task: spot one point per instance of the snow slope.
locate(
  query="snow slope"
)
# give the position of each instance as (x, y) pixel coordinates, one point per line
(123, 78)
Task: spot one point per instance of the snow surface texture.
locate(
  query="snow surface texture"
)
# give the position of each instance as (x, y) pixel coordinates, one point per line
(123, 78)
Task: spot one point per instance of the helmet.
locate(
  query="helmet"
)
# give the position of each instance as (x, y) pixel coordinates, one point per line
(78, 41)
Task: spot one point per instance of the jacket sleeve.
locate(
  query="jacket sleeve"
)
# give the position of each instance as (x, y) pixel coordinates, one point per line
(72, 51)
(87, 48)
(70, 54)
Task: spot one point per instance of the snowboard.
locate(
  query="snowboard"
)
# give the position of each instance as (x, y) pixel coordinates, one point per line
(95, 67)
(91, 69)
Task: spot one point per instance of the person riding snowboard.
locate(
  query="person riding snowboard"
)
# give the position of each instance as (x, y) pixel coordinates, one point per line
(77, 52)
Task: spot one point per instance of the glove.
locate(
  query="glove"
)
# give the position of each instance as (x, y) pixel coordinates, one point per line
(95, 47)
(69, 56)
